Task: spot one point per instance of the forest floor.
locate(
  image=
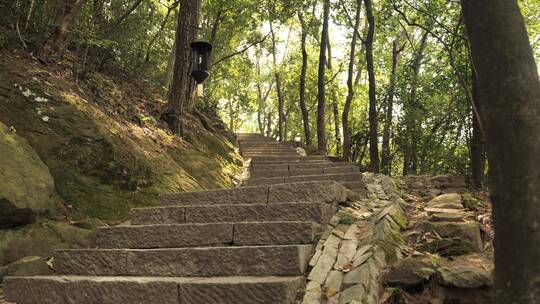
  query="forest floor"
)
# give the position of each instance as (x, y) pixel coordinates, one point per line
(448, 244)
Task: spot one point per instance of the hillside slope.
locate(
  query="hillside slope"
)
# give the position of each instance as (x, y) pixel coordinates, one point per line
(103, 147)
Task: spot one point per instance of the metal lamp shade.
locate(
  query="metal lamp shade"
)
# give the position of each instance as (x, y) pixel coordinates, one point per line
(201, 55)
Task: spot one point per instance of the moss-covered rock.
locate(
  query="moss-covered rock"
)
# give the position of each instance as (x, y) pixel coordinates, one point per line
(40, 239)
(467, 231)
(25, 181)
(27, 266)
(448, 247)
(409, 273)
(470, 202)
(446, 201)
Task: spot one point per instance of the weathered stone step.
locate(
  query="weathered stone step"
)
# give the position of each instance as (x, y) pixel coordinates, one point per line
(256, 172)
(340, 177)
(267, 154)
(319, 192)
(283, 260)
(279, 159)
(262, 145)
(266, 146)
(314, 212)
(152, 290)
(213, 234)
(298, 166)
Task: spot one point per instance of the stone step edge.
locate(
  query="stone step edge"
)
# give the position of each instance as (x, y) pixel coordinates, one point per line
(220, 234)
(128, 290)
(328, 177)
(294, 171)
(192, 214)
(272, 260)
(312, 191)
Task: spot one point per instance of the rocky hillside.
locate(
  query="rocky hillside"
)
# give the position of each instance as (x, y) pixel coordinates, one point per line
(79, 154)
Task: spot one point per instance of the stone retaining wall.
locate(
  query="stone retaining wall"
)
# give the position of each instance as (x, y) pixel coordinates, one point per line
(356, 246)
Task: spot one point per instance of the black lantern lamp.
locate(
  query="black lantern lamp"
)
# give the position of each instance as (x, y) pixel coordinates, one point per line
(201, 52)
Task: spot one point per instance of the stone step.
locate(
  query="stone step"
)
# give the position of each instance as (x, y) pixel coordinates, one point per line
(262, 145)
(298, 166)
(309, 212)
(340, 177)
(267, 154)
(152, 290)
(279, 159)
(283, 260)
(315, 192)
(213, 234)
(256, 172)
(267, 147)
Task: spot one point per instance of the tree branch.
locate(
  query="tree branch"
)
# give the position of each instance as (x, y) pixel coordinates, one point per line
(247, 47)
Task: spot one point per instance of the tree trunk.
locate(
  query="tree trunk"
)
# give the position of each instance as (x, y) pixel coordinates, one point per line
(56, 42)
(321, 117)
(278, 85)
(478, 154)
(335, 100)
(386, 162)
(510, 94)
(350, 89)
(373, 119)
(335, 110)
(410, 155)
(303, 72)
(269, 124)
(180, 97)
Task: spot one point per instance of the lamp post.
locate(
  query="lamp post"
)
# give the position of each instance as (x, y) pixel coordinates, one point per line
(201, 55)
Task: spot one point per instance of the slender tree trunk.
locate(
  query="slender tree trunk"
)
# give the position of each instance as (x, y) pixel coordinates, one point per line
(303, 72)
(123, 17)
(158, 34)
(373, 119)
(478, 154)
(335, 100)
(269, 124)
(386, 161)
(350, 88)
(180, 97)
(335, 111)
(278, 86)
(410, 157)
(56, 42)
(510, 96)
(321, 104)
(170, 63)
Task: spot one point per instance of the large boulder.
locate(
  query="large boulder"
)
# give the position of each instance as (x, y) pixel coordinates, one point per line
(11, 216)
(465, 280)
(26, 185)
(467, 231)
(409, 273)
(40, 239)
(448, 247)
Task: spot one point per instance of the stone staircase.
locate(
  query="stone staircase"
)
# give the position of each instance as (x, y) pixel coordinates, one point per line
(245, 245)
(278, 162)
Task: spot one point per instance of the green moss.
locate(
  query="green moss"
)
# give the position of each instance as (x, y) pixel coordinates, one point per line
(399, 217)
(390, 244)
(470, 202)
(346, 219)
